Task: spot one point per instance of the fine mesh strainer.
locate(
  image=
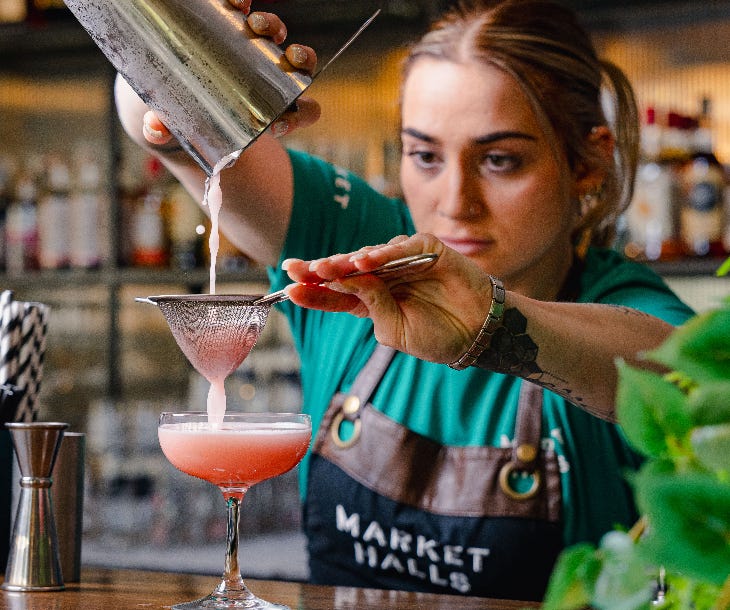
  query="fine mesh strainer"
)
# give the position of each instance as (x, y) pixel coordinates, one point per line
(217, 332)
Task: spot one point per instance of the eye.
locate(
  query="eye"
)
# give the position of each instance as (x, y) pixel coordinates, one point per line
(423, 159)
(497, 162)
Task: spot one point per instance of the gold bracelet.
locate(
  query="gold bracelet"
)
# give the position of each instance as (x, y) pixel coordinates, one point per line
(494, 318)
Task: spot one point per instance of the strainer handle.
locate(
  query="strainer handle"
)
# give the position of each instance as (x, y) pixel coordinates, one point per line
(385, 269)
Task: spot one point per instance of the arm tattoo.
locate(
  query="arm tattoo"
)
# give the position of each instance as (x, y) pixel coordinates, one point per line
(513, 352)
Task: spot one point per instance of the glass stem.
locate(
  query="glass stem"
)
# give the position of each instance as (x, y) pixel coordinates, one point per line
(232, 579)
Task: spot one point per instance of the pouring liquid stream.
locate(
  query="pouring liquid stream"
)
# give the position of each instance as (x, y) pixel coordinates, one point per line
(213, 198)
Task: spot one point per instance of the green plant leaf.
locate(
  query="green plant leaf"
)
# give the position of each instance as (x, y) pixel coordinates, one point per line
(724, 269)
(625, 581)
(650, 409)
(573, 579)
(711, 445)
(709, 404)
(689, 523)
(699, 348)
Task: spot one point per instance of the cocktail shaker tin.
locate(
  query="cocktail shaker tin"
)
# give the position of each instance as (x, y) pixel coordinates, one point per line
(215, 84)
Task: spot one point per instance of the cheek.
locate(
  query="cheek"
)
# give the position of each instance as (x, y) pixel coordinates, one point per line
(418, 197)
(424, 220)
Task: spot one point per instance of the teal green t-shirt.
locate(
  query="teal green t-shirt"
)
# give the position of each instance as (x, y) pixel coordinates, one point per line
(334, 211)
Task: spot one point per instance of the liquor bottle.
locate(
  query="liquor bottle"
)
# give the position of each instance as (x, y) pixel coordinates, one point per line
(149, 238)
(702, 216)
(6, 175)
(652, 218)
(21, 228)
(186, 227)
(86, 206)
(54, 216)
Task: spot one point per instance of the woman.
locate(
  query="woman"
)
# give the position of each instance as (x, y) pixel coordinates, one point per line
(468, 478)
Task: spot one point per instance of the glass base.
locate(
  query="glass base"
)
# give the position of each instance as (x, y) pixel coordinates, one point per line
(233, 599)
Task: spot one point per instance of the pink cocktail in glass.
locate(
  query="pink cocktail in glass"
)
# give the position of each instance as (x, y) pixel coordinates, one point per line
(240, 451)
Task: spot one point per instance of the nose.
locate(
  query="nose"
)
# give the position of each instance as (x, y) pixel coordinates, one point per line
(461, 196)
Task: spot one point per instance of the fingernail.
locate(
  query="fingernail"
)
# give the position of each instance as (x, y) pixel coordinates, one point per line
(299, 55)
(279, 128)
(358, 257)
(285, 263)
(337, 287)
(313, 265)
(258, 22)
(155, 134)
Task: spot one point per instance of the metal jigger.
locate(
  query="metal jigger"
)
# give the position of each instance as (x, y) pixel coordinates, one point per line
(33, 563)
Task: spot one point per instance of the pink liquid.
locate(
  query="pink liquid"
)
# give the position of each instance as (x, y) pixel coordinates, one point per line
(213, 198)
(234, 454)
(216, 404)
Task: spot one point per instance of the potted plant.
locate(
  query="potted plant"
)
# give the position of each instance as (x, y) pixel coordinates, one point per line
(680, 421)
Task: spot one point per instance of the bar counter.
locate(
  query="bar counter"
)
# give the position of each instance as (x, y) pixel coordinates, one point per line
(107, 589)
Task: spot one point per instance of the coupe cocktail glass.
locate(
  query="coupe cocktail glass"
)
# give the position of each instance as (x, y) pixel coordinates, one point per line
(240, 451)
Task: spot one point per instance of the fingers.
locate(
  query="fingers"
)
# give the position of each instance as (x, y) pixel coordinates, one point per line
(307, 113)
(398, 247)
(365, 259)
(302, 57)
(318, 297)
(298, 271)
(268, 24)
(243, 5)
(154, 130)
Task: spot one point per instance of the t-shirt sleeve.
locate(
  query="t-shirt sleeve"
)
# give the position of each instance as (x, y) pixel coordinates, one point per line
(335, 211)
(611, 279)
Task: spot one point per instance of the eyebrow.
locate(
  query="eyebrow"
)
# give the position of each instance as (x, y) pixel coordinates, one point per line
(486, 139)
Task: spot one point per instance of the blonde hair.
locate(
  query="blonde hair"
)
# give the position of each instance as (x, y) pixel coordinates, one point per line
(551, 56)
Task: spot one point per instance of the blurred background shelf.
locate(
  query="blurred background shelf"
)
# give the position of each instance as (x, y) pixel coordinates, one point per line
(66, 278)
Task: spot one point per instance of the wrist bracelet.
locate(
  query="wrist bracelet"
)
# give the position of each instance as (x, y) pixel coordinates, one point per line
(494, 318)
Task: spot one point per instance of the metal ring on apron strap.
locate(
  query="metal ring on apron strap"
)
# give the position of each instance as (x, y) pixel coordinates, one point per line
(524, 453)
(350, 407)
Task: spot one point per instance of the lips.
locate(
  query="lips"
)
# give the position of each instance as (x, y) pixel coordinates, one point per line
(467, 247)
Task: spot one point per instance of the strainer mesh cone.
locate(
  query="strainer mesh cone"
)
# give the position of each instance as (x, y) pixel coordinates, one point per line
(216, 333)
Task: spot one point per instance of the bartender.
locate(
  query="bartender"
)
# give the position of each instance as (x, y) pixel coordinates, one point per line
(465, 412)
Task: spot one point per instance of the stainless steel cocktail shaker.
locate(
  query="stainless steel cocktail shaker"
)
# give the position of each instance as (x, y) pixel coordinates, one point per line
(214, 83)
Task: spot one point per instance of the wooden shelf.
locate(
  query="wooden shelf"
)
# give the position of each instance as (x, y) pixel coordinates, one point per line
(689, 267)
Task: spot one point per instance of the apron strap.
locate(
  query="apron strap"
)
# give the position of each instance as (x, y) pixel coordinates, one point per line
(528, 426)
(367, 380)
(372, 373)
(526, 444)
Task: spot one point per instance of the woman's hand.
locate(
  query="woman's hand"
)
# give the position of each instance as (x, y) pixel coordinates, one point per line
(433, 312)
(299, 56)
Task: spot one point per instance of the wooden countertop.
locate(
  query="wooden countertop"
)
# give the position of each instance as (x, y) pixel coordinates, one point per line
(138, 590)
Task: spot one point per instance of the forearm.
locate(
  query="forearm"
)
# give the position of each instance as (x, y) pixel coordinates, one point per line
(571, 348)
(436, 312)
(257, 188)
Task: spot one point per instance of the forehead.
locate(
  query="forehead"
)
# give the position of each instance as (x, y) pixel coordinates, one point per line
(445, 94)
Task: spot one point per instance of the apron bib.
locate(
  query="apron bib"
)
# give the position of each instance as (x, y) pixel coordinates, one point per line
(389, 508)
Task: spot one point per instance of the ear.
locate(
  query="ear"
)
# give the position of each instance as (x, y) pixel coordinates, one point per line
(591, 173)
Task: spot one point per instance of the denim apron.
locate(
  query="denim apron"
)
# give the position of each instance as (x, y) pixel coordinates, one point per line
(389, 508)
